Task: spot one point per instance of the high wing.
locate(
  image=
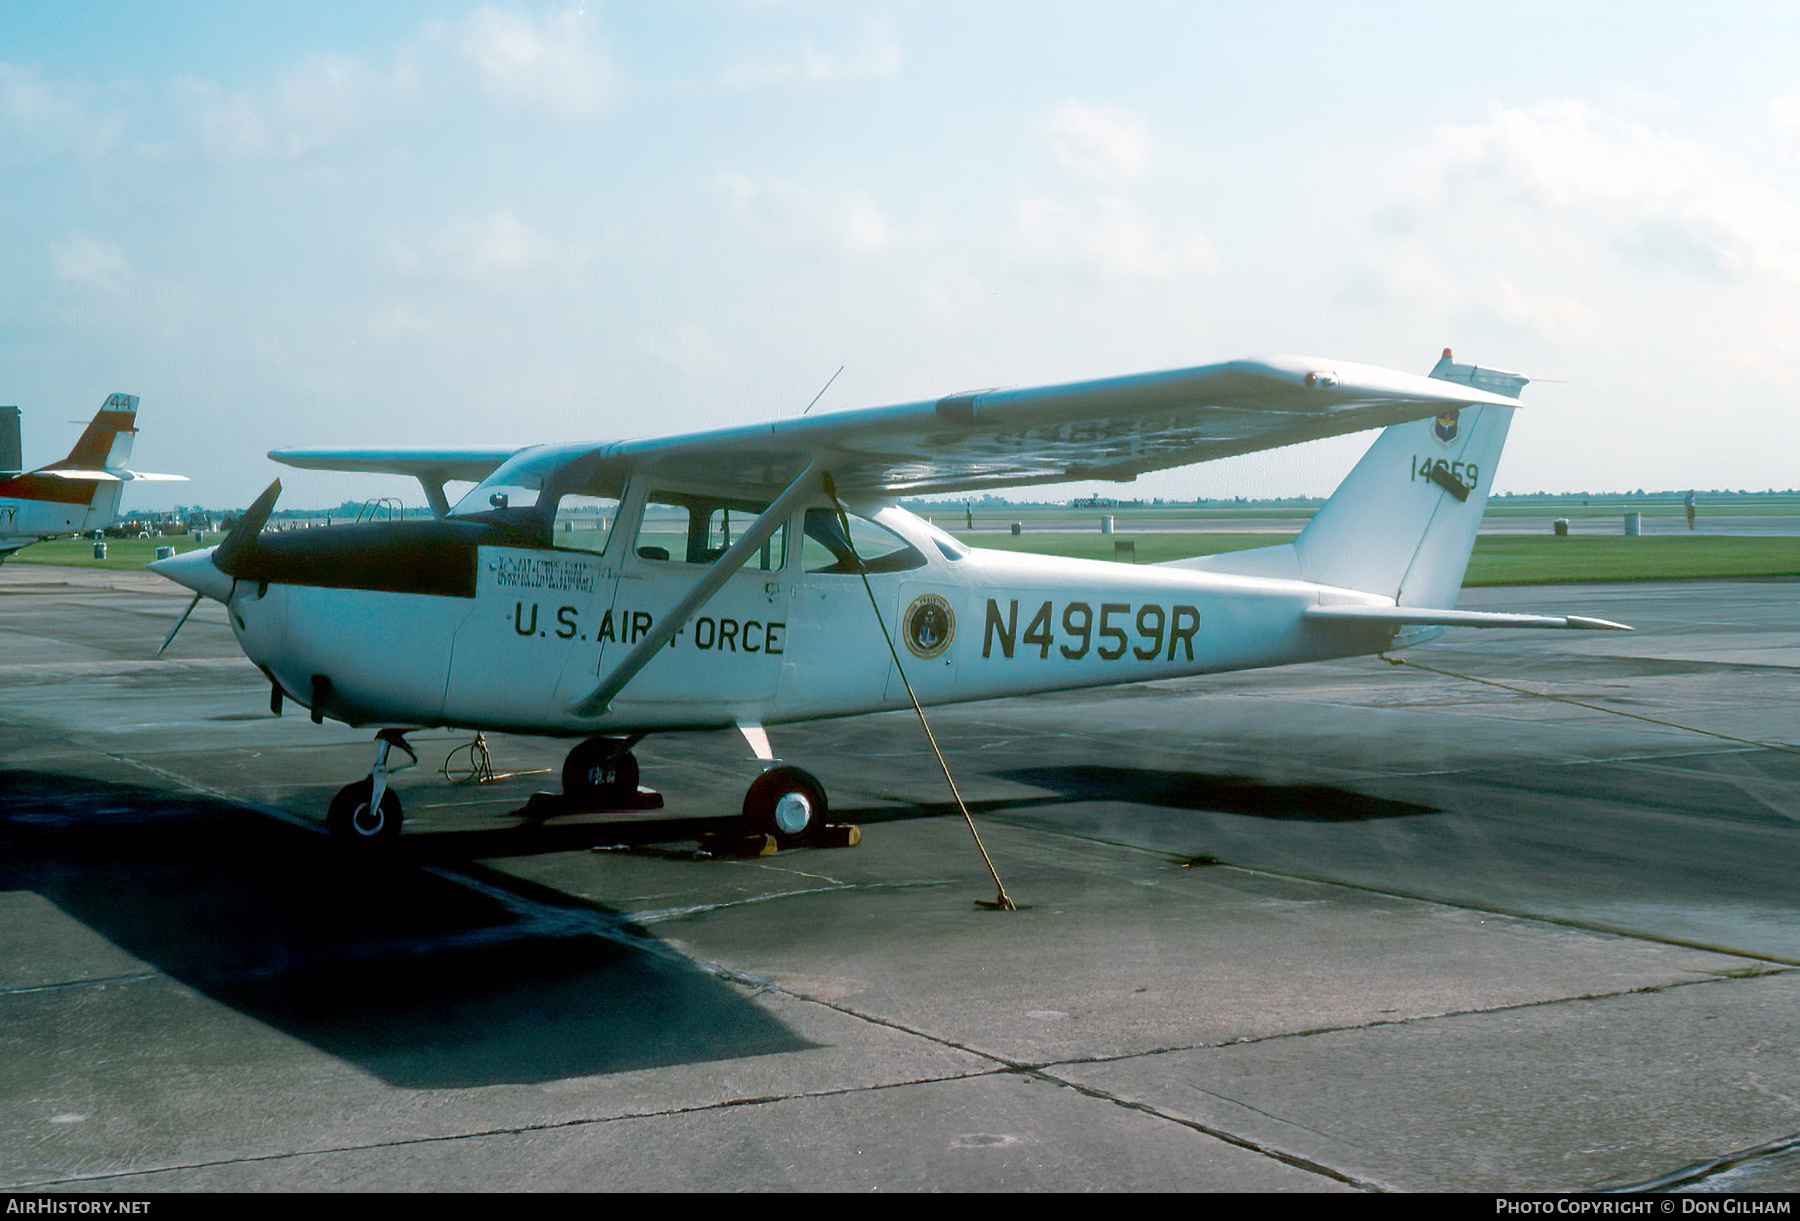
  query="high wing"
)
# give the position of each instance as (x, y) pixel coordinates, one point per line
(470, 464)
(1111, 429)
(431, 466)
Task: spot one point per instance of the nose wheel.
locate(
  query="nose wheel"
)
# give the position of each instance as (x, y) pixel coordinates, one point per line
(368, 811)
(355, 818)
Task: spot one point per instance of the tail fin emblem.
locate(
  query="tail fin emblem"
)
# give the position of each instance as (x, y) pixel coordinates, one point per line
(1445, 428)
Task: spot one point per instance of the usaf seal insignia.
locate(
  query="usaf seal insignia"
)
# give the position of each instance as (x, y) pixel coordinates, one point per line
(1445, 427)
(929, 625)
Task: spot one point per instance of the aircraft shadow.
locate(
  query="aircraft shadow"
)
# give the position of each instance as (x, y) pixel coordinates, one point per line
(409, 975)
(1213, 793)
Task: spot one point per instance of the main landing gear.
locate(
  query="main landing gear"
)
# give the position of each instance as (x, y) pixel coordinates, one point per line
(602, 773)
(787, 803)
(784, 807)
(784, 802)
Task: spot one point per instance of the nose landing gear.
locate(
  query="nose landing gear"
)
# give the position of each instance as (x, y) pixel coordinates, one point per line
(368, 811)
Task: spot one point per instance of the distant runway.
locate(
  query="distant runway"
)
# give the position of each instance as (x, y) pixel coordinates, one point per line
(1580, 522)
(1347, 926)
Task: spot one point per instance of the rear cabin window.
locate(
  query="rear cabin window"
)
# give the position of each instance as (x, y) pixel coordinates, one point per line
(879, 549)
(683, 529)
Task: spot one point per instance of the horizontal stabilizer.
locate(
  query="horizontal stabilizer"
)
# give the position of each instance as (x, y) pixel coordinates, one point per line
(113, 476)
(1426, 617)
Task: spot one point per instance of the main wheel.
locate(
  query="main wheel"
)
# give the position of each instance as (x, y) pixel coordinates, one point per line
(598, 771)
(352, 819)
(787, 803)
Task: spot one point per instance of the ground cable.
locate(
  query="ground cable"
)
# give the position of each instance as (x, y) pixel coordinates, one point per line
(1563, 699)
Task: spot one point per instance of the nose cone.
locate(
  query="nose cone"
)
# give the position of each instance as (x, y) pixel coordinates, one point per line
(196, 570)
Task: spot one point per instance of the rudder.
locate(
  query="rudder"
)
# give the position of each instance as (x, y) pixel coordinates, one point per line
(106, 441)
(1403, 522)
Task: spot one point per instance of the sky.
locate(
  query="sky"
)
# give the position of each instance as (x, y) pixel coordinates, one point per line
(429, 223)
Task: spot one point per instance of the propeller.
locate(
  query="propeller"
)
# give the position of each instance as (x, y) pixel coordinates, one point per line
(212, 572)
(170, 638)
(228, 556)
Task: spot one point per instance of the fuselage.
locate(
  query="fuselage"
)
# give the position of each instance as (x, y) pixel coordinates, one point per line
(34, 507)
(478, 625)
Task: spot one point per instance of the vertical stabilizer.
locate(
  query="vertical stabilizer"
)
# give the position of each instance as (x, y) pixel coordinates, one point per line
(106, 441)
(1403, 522)
(11, 458)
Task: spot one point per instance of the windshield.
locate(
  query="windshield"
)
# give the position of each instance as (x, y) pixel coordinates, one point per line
(515, 484)
(552, 492)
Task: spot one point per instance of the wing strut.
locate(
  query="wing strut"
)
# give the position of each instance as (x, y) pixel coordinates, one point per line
(595, 702)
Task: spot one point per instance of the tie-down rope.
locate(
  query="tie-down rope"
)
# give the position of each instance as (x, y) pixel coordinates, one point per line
(1563, 699)
(1002, 901)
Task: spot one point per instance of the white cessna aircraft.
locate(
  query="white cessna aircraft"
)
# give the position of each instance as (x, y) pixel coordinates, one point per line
(79, 493)
(751, 576)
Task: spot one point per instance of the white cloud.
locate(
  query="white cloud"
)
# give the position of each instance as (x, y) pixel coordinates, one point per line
(808, 66)
(558, 64)
(81, 259)
(53, 114)
(485, 249)
(1108, 240)
(1657, 199)
(1786, 113)
(1561, 320)
(795, 216)
(330, 99)
(399, 321)
(1101, 142)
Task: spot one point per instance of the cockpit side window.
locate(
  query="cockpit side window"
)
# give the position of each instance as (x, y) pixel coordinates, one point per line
(684, 529)
(827, 549)
(583, 522)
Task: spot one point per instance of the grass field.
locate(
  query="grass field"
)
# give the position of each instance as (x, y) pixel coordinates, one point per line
(1499, 559)
(121, 553)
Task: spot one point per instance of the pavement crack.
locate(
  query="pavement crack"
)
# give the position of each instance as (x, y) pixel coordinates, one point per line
(658, 915)
(723, 1104)
(1586, 926)
(1699, 1172)
(101, 982)
(1041, 1072)
(1378, 1023)
(1231, 1138)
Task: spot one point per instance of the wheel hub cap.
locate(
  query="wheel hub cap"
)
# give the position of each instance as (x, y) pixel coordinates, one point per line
(792, 813)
